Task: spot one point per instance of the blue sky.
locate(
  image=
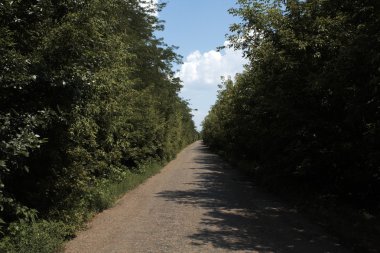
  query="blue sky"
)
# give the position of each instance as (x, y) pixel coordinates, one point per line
(198, 27)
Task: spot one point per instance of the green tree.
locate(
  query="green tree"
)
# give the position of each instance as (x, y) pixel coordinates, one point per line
(305, 112)
(87, 94)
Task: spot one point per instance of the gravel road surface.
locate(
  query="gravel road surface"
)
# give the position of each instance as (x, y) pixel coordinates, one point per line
(198, 204)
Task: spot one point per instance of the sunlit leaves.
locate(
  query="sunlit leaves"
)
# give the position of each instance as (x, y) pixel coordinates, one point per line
(87, 92)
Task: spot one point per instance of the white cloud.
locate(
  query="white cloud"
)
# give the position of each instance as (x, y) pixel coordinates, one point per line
(150, 4)
(201, 73)
(207, 68)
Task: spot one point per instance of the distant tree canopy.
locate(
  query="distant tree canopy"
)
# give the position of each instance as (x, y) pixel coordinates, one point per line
(305, 114)
(87, 92)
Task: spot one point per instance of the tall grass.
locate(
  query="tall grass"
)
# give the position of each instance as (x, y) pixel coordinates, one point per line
(107, 192)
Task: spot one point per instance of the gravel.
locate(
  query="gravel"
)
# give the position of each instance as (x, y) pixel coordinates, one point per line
(199, 204)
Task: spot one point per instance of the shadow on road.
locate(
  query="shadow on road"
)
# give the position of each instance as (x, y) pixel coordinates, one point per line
(238, 217)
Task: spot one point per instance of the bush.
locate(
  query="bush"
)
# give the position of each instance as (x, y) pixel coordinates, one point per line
(35, 237)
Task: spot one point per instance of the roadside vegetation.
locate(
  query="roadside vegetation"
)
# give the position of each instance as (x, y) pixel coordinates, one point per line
(89, 108)
(303, 119)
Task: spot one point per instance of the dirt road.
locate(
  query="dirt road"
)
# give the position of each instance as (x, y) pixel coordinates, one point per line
(197, 204)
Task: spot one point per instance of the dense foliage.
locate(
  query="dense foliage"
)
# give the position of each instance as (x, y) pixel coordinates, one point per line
(304, 116)
(87, 94)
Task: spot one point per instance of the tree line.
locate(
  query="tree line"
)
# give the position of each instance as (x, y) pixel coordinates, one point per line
(304, 116)
(87, 95)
